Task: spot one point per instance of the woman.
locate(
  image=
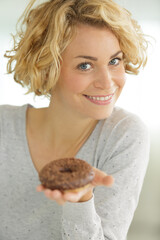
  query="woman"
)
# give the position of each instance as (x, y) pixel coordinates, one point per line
(77, 53)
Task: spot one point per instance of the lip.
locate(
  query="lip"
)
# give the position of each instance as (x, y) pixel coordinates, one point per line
(99, 95)
(100, 102)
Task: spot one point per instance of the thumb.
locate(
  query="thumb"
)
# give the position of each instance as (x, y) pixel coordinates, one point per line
(101, 178)
(108, 180)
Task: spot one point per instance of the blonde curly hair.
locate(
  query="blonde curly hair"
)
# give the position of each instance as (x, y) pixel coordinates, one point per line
(47, 29)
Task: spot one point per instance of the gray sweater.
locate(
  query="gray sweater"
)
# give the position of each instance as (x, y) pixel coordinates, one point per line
(118, 145)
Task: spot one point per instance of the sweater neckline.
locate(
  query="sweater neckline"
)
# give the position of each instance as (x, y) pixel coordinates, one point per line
(26, 145)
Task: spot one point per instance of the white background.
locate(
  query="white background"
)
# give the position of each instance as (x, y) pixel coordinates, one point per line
(141, 93)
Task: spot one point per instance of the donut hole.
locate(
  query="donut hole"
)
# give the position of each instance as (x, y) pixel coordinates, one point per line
(66, 170)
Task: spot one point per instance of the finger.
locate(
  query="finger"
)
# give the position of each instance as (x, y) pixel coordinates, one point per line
(58, 197)
(99, 175)
(54, 195)
(47, 193)
(40, 188)
(60, 201)
(101, 178)
(103, 181)
(76, 196)
(108, 181)
(72, 197)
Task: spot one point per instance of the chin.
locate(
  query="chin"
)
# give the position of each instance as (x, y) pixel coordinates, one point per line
(102, 116)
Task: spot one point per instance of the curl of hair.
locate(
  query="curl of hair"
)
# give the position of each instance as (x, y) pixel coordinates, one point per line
(46, 30)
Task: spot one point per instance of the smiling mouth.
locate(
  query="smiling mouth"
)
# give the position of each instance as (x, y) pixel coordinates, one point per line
(100, 100)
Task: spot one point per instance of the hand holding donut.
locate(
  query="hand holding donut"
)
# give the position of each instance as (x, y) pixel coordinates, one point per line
(74, 181)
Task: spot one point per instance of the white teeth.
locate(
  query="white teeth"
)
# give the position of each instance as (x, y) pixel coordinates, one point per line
(100, 98)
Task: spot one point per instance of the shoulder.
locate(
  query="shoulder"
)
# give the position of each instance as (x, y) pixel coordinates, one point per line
(124, 139)
(121, 131)
(122, 121)
(7, 111)
(10, 116)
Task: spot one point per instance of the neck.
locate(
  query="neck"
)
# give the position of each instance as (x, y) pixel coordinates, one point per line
(59, 128)
(54, 134)
(63, 127)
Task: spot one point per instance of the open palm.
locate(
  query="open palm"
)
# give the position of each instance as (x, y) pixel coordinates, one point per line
(100, 179)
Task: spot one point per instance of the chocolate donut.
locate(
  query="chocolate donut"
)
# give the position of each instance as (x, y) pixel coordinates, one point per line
(66, 174)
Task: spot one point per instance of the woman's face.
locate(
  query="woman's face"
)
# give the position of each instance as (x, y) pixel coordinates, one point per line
(92, 74)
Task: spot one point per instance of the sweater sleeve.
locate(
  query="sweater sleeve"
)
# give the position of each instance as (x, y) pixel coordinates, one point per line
(80, 221)
(108, 215)
(125, 157)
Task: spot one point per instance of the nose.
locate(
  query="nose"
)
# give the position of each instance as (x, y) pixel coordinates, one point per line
(104, 79)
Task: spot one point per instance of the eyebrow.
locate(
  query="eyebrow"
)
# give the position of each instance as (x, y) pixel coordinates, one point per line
(88, 57)
(117, 53)
(95, 59)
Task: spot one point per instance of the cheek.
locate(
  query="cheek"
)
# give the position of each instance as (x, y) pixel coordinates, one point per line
(75, 83)
(121, 78)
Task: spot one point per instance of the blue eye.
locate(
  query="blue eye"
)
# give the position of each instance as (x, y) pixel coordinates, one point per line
(115, 61)
(84, 66)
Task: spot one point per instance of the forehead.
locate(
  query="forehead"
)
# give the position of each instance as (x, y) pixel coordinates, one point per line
(92, 41)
